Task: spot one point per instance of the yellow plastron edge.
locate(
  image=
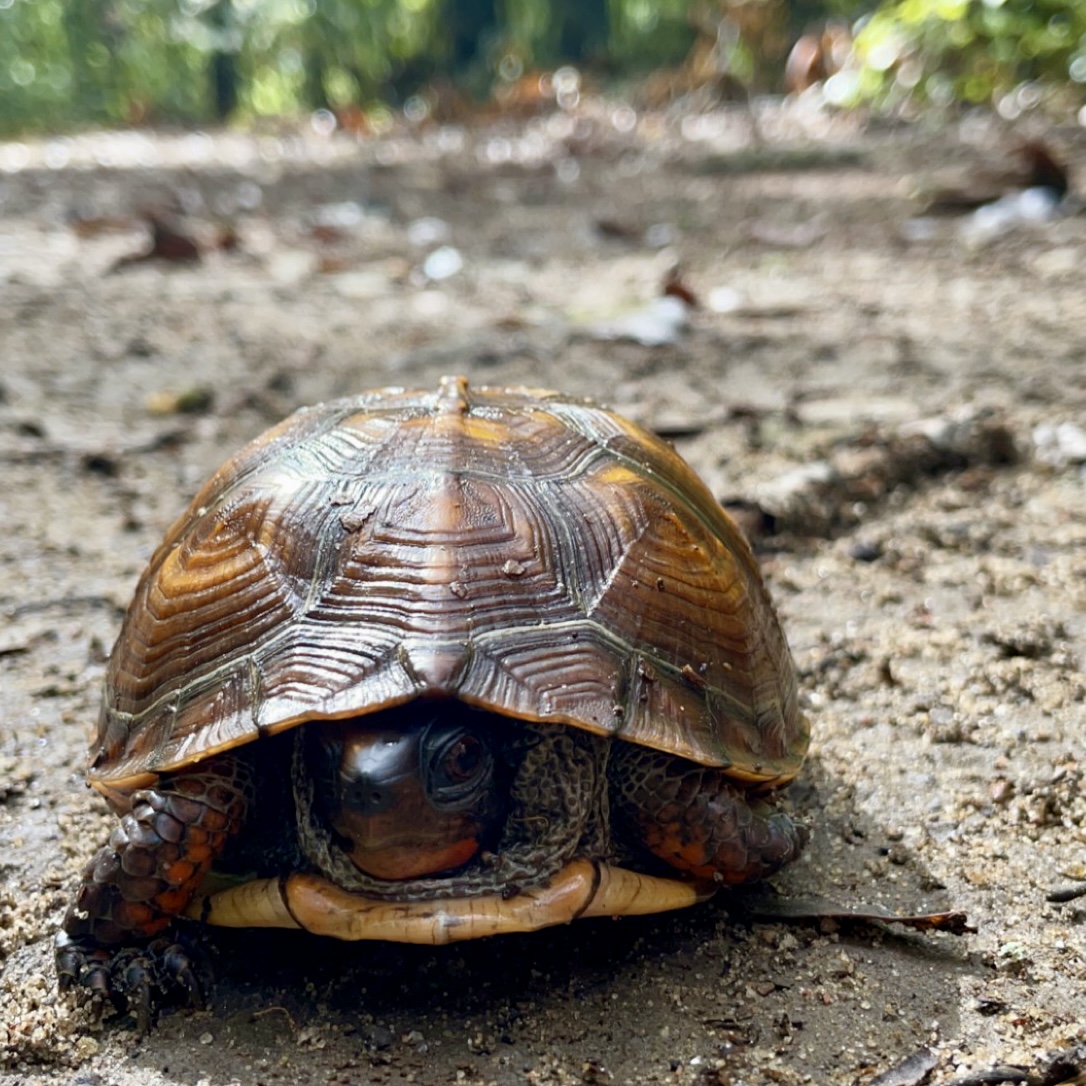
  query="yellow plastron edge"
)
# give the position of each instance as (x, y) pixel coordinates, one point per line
(310, 902)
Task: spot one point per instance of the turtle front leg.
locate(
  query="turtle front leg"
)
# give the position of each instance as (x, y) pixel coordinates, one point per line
(696, 819)
(143, 878)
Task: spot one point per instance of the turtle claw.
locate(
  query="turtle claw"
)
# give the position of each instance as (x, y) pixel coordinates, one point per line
(178, 968)
(88, 967)
(133, 986)
(133, 979)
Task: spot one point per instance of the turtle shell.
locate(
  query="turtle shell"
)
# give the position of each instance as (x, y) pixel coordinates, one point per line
(535, 556)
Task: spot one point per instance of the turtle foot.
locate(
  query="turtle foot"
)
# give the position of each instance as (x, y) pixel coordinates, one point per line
(136, 979)
(702, 820)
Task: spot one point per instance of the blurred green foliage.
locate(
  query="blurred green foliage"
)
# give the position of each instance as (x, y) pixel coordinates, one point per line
(71, 63)
(67, 63)
(1011, 53)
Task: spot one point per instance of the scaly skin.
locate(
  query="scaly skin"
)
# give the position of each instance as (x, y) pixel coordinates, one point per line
(143, 878)
(696, 819)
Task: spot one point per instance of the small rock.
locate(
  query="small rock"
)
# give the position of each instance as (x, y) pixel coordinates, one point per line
(1033, 639)
(443, 263)
(661, 323)
(380, 1036)
(865, 552)
(346, 214)
(660, 235)
(1060, 444)
(911, 1071)
(724, 300)
(428, 231)
(991, 221)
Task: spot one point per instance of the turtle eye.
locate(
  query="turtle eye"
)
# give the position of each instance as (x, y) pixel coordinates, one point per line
(459, 766)
(463, 759)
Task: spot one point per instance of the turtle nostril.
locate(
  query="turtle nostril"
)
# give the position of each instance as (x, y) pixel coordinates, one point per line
(365, 798)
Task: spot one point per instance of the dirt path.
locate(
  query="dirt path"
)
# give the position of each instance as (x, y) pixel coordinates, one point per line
(939, 621)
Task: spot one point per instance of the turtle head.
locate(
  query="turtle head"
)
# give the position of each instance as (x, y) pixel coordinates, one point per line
(410, 796)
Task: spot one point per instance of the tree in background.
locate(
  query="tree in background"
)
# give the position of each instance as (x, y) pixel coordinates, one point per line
(222, 61)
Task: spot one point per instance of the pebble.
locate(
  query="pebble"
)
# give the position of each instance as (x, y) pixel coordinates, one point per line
(1060, 444)
(659, 324)
(443, 263)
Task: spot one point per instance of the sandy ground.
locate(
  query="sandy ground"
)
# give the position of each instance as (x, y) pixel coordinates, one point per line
(938, 621)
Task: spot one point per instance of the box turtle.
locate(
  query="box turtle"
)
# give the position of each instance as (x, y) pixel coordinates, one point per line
(429, 666)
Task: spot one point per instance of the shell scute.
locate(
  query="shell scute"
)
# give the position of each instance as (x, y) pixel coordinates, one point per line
(539, 557)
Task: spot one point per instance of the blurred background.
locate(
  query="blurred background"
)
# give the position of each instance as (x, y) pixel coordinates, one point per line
(66, 64)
